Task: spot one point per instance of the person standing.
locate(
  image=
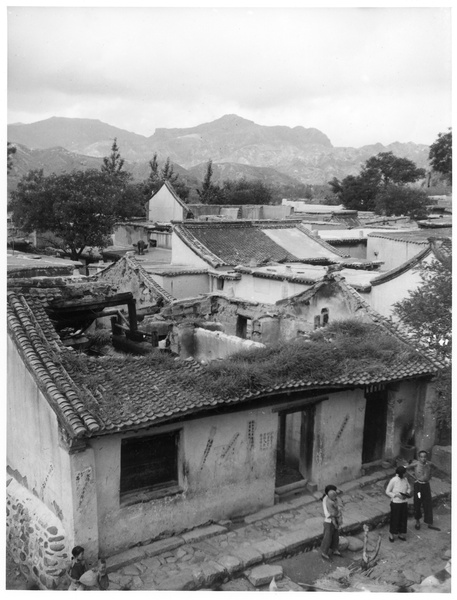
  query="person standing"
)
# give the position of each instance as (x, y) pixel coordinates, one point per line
(422, 473)
(332, 514)
(399, 490)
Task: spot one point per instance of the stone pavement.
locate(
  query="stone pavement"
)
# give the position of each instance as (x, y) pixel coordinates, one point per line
(209, 556)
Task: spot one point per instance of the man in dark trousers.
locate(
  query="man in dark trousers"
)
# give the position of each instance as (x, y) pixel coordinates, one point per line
(421, 471)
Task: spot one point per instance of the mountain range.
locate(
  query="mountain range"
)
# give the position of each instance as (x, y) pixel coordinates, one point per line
(238, 147)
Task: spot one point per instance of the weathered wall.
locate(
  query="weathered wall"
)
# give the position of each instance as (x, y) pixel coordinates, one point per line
(226, 469)
(183, 286)
(393, 253)
(262, 289)
(338, 438)
(383, 296)
(402, 413)
(38, 541)
(183, 255)
(210, 345)
(163, 208)
(36, 460)
(127, 235)
(123, 278)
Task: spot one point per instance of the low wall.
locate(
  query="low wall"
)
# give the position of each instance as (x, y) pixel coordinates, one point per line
(36, 538)
(210, 345)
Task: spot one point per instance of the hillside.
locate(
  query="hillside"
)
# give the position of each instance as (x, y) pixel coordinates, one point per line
(304, 154)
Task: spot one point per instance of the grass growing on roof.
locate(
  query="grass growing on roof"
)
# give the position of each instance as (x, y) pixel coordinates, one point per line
(347, 347)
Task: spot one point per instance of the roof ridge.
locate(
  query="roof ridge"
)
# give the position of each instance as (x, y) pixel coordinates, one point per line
(400, 269)
(322, 242)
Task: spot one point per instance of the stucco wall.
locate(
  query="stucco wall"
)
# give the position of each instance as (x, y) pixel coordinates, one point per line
(34, 457)
(211, 345)
(269, 291)
(127, 235)
(383, 296)
(181, 254)
(183, 286)
(163, 208)
(224, 472)
(338, 438)
(393, 253)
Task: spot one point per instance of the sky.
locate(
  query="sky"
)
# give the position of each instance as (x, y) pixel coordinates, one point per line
(359, 75)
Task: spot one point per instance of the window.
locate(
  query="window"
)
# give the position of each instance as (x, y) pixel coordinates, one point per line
(317, 322)
(150, 464)
(220, 283)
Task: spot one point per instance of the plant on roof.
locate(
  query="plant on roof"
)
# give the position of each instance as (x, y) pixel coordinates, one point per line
(348, 347)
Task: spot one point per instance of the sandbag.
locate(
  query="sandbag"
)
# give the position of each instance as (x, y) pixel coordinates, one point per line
(89, 578)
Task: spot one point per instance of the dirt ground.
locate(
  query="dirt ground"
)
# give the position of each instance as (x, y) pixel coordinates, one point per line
(399, 563)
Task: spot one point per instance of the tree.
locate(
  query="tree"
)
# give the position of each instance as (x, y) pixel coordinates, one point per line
(387, 168)
(440, 155)
(80, 208)
(359, 192)
(10, 149)
(210, 193)
(113, 164)
(157, 178)
(246, 192)
(401, 200)
(427, 312)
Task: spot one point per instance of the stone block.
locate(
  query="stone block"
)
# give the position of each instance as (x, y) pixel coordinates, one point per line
(269, 548)
(213, 573)
(52, 530)
(265, 513)
(314, 526)
(247, 555)
(131, 570)
(202, 533)
(354, 544)
(117, 561)
(312, 487)
(263, 574)
(294, 540)
(230, 563)
(161, 546)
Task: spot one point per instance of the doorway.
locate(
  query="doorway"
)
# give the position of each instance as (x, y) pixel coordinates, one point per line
(375, 426)
(295, 445)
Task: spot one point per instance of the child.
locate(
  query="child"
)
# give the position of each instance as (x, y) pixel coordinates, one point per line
(334, 508)
(77, 568)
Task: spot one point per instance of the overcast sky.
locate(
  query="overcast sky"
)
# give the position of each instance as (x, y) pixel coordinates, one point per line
(360, 75)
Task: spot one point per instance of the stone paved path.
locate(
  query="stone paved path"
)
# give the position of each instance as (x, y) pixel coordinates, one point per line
(208, 557)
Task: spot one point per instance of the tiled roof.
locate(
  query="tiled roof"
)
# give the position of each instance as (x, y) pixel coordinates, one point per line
(232, 243)
(132, 393)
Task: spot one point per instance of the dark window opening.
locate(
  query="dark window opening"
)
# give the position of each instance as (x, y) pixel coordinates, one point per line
(149, 463)
(325, 316)
(317, 322)
(244, 327)
(220, 283)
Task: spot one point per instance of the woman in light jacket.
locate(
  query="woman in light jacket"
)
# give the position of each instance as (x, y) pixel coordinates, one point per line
(399, 490)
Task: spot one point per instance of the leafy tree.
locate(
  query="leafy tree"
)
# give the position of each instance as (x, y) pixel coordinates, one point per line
(10, 151)
(440, 155)
(246, 192)
(401, 200)
(360, 192)
(388, 168)
(356, 192)
(427, 312)
(210, 193)
(80, 208)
